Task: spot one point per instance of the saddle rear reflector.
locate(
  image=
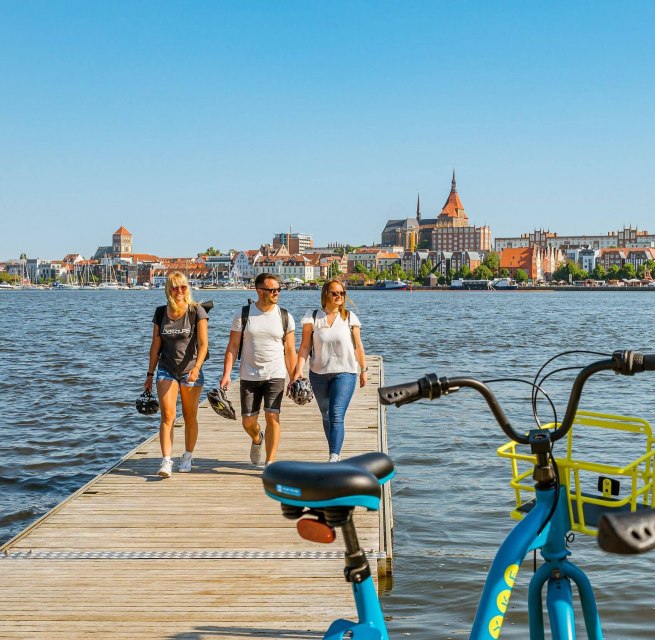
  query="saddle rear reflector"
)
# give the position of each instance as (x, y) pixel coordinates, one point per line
(315, 531)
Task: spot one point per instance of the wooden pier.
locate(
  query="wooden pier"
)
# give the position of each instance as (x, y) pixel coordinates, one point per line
(196, 556)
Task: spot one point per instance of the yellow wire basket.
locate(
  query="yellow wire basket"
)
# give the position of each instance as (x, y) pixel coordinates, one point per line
(601, 472)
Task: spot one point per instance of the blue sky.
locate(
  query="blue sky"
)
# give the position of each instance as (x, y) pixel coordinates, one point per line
(221, 123)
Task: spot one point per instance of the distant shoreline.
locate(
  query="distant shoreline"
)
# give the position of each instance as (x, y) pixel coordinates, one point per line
(563, 289)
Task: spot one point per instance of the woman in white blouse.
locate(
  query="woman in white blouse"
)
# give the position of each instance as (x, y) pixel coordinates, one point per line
(331, 339)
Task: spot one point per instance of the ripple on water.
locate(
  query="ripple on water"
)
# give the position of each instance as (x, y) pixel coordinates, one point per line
(68, 416)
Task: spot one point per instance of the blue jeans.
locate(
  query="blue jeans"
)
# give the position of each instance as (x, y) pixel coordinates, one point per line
(333, 392)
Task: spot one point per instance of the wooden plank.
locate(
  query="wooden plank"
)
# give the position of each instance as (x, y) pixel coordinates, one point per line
(218, 508)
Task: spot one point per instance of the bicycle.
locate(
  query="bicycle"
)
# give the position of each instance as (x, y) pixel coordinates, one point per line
(318, 491)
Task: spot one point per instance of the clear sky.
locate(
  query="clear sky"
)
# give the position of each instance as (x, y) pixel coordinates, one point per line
(221, 123)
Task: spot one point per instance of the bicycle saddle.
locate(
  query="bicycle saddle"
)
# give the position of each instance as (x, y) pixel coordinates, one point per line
(321, 484)
(378, 464)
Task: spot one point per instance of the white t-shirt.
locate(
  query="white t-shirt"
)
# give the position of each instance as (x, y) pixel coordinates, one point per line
(262, 356)
(333, 345)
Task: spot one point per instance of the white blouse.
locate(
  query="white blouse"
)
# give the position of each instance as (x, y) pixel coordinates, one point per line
(333, 345)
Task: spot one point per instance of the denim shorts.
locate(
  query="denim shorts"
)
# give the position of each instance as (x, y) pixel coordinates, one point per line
(252, 393)
(162, 374)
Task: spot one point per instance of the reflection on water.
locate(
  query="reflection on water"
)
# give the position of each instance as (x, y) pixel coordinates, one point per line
(74, 363)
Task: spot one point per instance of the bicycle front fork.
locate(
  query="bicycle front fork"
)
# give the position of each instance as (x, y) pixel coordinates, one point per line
(559, 601)
(370, 625)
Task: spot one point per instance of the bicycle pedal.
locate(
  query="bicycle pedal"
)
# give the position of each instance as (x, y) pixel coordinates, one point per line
(315, 531)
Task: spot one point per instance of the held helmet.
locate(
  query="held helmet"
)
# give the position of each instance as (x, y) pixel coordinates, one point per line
(219, 403)
(300, 391)
(147, 404)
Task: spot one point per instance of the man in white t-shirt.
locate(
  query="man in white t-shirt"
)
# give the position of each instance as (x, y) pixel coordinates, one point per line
(268, 353)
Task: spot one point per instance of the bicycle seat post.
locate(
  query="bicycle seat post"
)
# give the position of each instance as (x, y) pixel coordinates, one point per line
(358, 573)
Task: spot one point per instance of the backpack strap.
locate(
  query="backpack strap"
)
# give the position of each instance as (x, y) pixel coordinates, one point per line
(352, 335)
(285, 322)
(245, 314)
(311, 346)
(159, 316)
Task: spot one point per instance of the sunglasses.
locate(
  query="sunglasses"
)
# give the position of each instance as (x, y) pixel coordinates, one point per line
(271, 291)
(337, 294)
(181, 287)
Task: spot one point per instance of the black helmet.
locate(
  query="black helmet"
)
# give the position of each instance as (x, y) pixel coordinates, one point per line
(300, 391)
(147, 404)
(219, 403)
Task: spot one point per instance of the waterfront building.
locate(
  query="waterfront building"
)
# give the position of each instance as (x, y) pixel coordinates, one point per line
(287, 268)
(537, 262)
(243, 265)
(626, 237)
(294, 242)
(401, 232)
(386, 260)
(444, 261)
(629, 255)
(323, 263)
(585, 258)
(121, 241)
(449, 231)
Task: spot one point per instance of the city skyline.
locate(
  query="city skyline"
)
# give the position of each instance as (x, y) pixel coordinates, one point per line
(181, 121)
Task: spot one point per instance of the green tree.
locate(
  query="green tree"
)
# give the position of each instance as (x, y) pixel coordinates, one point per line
(599, 272)
(569, 268)
(451, 275)
(442, 280)
(6, 277)
(521, 276)
(584, 275)
(211, 252)
(628, 271)
(492, 262)
(385, 274)
(613, 273)
(483, 272)
(333, 270)
(397, 272)
(464, 272)
(425, 270)
(504, 273)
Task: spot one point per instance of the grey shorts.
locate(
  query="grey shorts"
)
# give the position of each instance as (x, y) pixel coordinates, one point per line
(254, 391)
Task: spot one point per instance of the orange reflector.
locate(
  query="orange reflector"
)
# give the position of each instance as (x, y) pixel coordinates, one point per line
(316, 531)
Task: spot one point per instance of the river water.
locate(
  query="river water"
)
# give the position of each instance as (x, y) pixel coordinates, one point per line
(74, 360)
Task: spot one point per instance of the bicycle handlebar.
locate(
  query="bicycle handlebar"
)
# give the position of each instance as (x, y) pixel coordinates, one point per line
(431, 387)
(627, 533)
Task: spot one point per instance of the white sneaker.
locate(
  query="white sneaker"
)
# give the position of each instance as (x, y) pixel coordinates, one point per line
(256, 451)
(334, 457)
(166, 468)
(186, 460)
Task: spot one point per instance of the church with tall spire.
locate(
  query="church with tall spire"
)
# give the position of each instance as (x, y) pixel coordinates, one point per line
(449, 231)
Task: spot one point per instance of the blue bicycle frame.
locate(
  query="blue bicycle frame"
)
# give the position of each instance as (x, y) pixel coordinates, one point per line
(556, 570)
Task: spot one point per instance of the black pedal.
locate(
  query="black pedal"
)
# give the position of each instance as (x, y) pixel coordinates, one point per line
(608, 486)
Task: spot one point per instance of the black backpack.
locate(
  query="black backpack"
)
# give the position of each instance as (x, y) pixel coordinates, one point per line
(208, 305)
(245, 314)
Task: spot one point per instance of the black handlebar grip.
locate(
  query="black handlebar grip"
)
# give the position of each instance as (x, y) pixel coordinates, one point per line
(649, 361)
(429, 386)
(627, 533)
(400, 393)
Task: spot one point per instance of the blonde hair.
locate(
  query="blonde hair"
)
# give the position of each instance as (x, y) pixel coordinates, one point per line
(325, 293)
(176, 279)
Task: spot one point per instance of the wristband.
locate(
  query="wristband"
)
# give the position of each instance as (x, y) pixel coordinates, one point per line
(364, 370)
(150, 374)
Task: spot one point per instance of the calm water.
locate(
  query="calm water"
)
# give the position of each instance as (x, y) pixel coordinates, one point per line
(74, 363)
